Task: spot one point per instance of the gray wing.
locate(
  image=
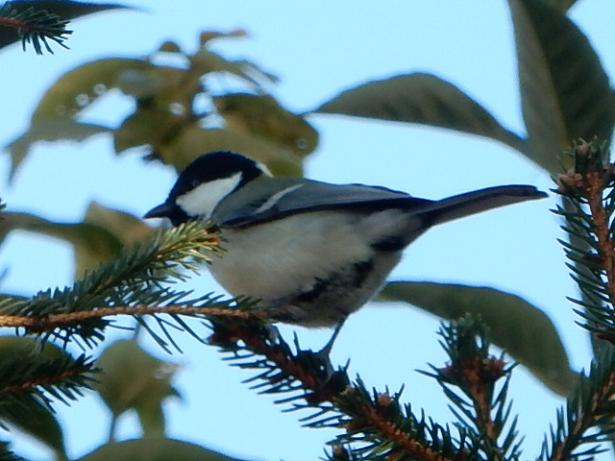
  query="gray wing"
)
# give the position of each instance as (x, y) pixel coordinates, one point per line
(280, 198)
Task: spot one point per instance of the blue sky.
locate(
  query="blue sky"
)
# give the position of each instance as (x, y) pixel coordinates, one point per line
(317, 49)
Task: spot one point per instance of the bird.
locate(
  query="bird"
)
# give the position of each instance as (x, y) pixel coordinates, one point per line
(310, 252)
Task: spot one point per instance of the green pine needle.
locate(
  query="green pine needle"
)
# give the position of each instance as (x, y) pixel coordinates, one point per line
(587, 420)
(36, 26)
(140, 276)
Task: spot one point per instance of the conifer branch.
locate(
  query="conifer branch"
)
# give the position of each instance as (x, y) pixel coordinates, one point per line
(6, 454)
(590, 408)
(590, 189)
(26, 384)
(135, 279)
(65, 373)
(376, 425)
(52, 321)
(470, 380)
(340, 453)
(35, 25)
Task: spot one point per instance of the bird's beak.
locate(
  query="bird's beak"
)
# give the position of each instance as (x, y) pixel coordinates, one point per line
(161, 211)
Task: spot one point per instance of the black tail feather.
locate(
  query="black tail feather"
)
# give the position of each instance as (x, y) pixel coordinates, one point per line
(470, 203)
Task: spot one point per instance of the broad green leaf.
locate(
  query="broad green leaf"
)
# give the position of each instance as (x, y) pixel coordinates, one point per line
(126, 227)
(133, 379)
(169, 46)
(81, 86)
(37, 421)
(91, 243)
(194, 141)
(516, 326)
(206, 61)
(166, 84)
(562, 5)
(65, 9)
(424, 99)
(50, 130)
(151, 417)
(208, 35)
(565, 91)
(146, 128)
(262, 115)
(165, 107)
(154, 450)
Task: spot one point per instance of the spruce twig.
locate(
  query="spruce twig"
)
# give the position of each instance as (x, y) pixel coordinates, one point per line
(6, 454)
(590, 408)
(472, 380)
(53, 321)
(134, 284)
(26, 384)
(375, 424)
(36, 26)
(590, 189)
(340, 453)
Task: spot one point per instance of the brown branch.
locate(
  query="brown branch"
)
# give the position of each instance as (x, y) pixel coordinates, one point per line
(479, 376)
(412, 447)
(45, 380)
(591, 183)
(481, 397)
(323, 387)
(593, 189)
(14, 23)
(333, 388)
(52, 321)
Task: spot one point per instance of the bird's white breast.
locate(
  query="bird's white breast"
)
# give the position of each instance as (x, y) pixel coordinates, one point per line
(274, 260)
(268, 261)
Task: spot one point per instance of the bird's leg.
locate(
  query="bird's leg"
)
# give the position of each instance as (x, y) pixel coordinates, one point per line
(324, 354)
(325, 351)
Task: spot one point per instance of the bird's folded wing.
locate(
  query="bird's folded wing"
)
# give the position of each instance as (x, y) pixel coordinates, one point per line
(284, 198)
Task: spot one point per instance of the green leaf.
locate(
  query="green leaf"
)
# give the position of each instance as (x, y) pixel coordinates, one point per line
(37, 421)
(194, 141)
(421, 98)
(160, 86)
(146, 127)
(50, 130)
(207, 36)
(80, 87)
(126, 227)
(65, 9)
(516, 326)
(133, 379)
(562, 5)
(263, 116)
(154, 450)
(151, 417)
(98, 238)
(206, 61)
(565, 91)
(92, 244)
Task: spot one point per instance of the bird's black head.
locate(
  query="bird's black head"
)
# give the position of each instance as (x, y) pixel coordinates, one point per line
(204, 183)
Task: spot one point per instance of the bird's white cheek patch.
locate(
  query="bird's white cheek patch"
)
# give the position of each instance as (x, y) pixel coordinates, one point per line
(203, 199)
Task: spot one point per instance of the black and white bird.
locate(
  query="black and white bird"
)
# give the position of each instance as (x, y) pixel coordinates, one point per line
(310, 251)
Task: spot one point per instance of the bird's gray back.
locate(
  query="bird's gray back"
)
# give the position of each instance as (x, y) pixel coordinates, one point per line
(270, 200)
